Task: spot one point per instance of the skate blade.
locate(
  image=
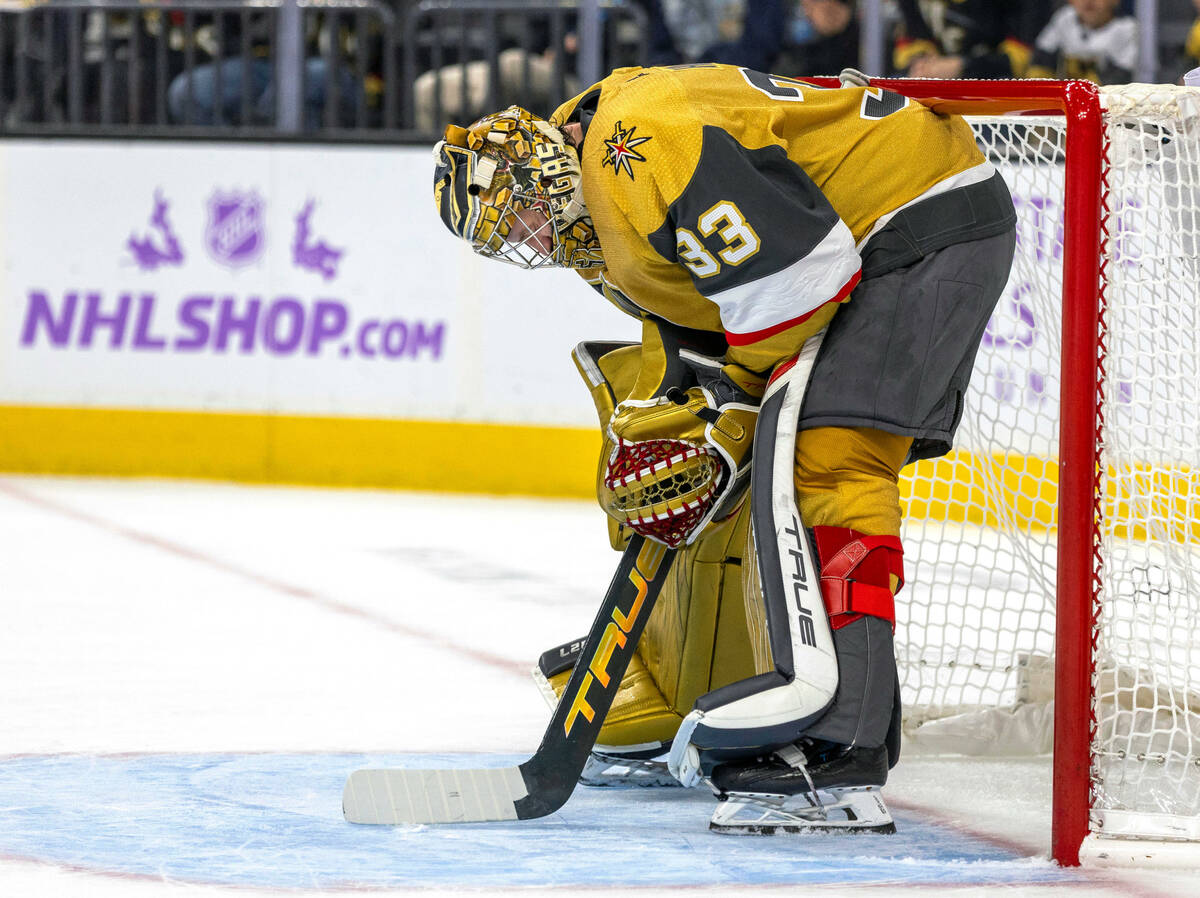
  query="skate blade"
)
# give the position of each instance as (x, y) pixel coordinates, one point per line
(772, 829)
(848, 811)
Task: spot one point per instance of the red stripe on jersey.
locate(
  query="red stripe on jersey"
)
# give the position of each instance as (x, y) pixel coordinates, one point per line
(756, 336)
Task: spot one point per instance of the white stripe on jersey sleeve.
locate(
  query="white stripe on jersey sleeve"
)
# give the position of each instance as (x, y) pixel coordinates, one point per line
(795, 291)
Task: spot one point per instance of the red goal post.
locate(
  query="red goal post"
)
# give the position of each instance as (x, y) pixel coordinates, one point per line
(1092, 778)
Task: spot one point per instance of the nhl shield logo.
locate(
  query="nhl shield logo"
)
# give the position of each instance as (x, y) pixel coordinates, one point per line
(235, 235)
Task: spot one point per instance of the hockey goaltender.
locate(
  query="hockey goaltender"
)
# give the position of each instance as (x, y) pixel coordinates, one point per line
(743, 217)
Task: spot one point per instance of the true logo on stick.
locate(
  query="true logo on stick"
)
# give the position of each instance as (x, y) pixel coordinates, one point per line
(616, 633)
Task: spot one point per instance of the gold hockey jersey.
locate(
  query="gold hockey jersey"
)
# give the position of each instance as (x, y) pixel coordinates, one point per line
(733, 201)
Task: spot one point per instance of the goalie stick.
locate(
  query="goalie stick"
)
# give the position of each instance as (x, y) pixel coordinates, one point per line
(541, 785)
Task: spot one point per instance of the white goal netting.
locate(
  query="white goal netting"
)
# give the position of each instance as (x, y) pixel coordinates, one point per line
(976, 624)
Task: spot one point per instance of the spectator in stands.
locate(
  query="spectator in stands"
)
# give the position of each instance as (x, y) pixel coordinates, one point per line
(527, 74)
(738, 32)
(111, 40)
(1087, 39)
(126, 58)
(39, 46)
(967, 38)
(821, 39)
(192, 96)
(1178, 37)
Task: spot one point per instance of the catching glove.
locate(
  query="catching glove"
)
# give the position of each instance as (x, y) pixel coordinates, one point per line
(681, 442)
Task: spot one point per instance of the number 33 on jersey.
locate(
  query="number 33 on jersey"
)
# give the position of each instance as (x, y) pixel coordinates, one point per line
(750, 220)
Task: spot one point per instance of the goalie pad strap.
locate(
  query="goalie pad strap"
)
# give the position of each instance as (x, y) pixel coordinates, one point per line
(856, 572)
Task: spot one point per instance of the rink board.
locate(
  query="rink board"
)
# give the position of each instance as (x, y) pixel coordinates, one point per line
(207, 309)
(442, 456)
(278, 313)
(273, 820)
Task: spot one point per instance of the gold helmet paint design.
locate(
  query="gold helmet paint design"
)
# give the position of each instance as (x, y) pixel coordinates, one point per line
(510, 185)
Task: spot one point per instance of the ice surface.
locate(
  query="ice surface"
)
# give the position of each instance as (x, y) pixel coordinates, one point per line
(275, 820)
(189, 671)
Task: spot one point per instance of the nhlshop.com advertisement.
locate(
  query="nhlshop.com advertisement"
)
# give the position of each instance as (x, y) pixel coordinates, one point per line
(282, 279)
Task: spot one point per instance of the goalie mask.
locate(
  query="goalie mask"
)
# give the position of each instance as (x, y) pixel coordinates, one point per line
(510, 185)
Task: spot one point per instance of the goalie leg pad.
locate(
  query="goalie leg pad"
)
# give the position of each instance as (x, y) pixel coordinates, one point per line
(695, 641)
(857, 572)
(847, 477)
(793, 637)
(640, 714)
(862, 710)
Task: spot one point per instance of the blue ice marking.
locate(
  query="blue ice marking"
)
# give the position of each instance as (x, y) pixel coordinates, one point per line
(275, 820)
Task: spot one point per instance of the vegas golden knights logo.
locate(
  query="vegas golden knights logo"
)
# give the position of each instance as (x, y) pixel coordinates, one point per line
(621, 152)
(616, 634)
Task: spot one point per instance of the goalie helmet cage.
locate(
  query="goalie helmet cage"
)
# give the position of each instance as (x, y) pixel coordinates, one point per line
(1061, 535)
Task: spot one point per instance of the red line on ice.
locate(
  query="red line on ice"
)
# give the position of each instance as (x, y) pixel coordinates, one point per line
(296, 592)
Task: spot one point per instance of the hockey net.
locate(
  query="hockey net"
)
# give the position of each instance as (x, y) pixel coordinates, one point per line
(1009, 567)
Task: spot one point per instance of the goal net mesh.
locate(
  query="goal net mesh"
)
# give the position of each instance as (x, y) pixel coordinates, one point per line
(976, 620)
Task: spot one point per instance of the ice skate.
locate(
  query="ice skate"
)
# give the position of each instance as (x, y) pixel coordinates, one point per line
(837, 791)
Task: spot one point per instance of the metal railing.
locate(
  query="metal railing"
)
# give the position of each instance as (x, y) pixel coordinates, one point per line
(347, 69)
(342, 69)
(204, 66)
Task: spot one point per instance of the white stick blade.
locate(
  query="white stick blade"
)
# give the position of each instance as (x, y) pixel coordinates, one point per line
(433, 796)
